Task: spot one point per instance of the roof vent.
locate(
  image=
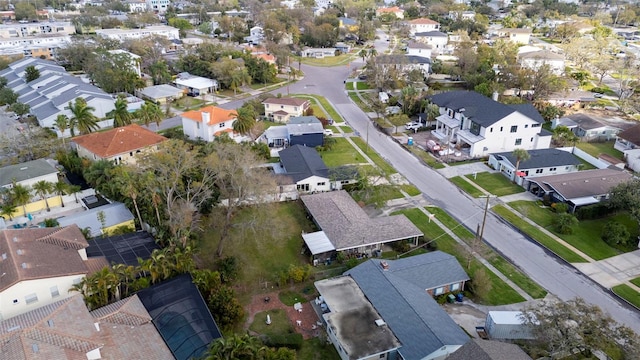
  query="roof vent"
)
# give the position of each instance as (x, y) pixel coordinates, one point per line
(564, 183)
(586, 181)
(20, 252)
(15, 239)
(604, 179)
(380, 322)
(13, 328)
(24, 168)
(385, 265)
(24, 265)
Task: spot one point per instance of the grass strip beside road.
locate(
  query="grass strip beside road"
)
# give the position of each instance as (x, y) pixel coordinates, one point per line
(537, 235)
(501, 293)
(466, 186)
(635, 281)
(427, 158)
(373, 155)
(500, 263)
(331, 112)
(627, 293)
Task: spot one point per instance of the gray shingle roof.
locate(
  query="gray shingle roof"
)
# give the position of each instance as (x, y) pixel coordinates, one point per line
(632, 135)
(542, 158)
(400, 59)
(479, 108)
(115, 213)
(412, 314)
(585, 121)
(301, 162)
(160, 91)
(428, 271)
(529, 111)
(300, 125)
(583, 183)
(431, 33)
(348, 226)
(479, 349)
(26, 170)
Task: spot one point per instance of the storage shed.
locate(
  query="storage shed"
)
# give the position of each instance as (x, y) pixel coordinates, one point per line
(507, 325)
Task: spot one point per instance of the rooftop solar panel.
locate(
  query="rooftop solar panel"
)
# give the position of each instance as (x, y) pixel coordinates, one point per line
(123, 249)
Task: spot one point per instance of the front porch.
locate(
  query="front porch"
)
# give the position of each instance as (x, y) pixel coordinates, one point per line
(446, 128)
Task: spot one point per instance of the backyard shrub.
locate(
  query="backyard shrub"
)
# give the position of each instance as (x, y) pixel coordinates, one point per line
(596, 211)
(560, 208)
(401, 246)
(291, 341)
(351, 263)
(228, 269)
(564, 223)
(615, 233)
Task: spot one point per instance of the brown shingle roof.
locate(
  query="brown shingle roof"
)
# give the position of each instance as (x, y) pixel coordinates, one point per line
(423, 21)
(286, 101)
(488, 350)
(216, 115)
(632, 135)
(40, 253)
(119, 140)
(583, 183)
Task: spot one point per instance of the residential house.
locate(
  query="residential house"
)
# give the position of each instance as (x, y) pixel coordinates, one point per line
(343, 47)
(345, 227)
(302, 170)
(122, 145)
(628, 139)
(518, 36)
(134, 60)
(39, 266)
(541, 162)
(438, 40)
(136, 6)
(577, 188)
(49, 95)
(405, 63)
(479, 349)
(123, 249)
(160, 94)
(588, 127)
(256, 35)
(208, 123)
(419, 49)
(534, 60)
(65, 329)
(169, 32)
(28, 173)
(462, 15)
(632, 159)
(158, 6)
(305, 131)
(571, 98)
(102, 220)
(195, 85)
(349, 24)
(318, 53)
(181, 316)
(19, 30)
(281, 109)
(480, 126)
(37, 46)
(388, 298)
(399, 13)
(423, 25)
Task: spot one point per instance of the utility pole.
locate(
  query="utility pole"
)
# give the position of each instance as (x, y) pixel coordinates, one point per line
(484, 217)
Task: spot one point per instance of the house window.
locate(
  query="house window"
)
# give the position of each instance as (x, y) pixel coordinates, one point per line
(438, 291)
(514, 128)
(552, 169)
(382, 356)
(531, 139)
(518, 141)
(321, 183)
(474, 128)
(566, 168)
(15, 301)
(221, 125)
(344, 182)
(54, 291)
(198, 125)
(266, 106)
(31, 298)
(450, 113)
(303, 187)
(454, 287)
(76, 281)
(501, 128)
(295, 108)
(539, 171)
(535, 125)
(490, 129)
(526, 126)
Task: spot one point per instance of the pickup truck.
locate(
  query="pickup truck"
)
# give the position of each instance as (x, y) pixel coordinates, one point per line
(412, 126)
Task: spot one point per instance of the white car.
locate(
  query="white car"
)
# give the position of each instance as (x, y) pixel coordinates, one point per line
(328, 132)
(412, 126)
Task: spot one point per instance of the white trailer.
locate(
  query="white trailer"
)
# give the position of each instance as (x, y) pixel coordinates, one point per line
(507, 325)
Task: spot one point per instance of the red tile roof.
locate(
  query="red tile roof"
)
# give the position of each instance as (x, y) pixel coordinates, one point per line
(119, 140)
(216, 115)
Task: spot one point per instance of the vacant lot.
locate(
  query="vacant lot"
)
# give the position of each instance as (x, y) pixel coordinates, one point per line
(495, 183)
(341, 153)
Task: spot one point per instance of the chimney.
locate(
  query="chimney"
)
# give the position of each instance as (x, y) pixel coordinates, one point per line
(384, 264)
(206, 118)
(495, 96)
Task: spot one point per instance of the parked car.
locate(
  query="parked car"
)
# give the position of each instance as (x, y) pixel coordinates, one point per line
(412, 126)
(328, 132)
(597, 95)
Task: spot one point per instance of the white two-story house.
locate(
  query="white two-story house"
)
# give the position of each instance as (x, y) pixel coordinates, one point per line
(479, 126)
(423, 25)
(209, 123)
(281, 109)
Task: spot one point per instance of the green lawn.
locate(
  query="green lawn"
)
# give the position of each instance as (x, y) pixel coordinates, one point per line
(500, 263)
(290, 297)
(500, 293)
(427, 158)
(361, 104)
(595, 149)
(280, 323)
(349, 86)
(316, 349)
(537, 235)
(586, 236)
(627, 293)
(636, 281)
(465, 162)
(361, 85)
(382, 164)
(342, 59)
(256, 86)
(341, 153)
(466, 186)
(331, 112)
(346, 129)
(410, 189)
(262, 255)
(495, 183)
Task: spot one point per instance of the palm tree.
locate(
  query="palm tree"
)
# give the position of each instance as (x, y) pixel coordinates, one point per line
(82, 117)
(373, 52)
(150, 112)
(43, 188)
(121, 115)
(128, 188)
(61, 188)
(21, 196)
(74, 189)
(235, 347)
(62, 123)
(245, 120)
(8, 208)
(363, 54)
(520, 155)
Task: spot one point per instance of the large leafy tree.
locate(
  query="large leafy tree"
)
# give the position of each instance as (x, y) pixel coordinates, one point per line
(626, 197)
(114, 73)
(121, 115)
(20, 109)
(82, 117)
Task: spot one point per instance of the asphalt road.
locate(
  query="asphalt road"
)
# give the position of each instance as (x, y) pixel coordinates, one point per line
(559, 278)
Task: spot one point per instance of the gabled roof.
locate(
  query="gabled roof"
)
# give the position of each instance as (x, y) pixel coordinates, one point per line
(418, 45)
(114, 214)
(402, 59)
(586, 122)
(40, 253)
(347, 21)
(301, 162)
(541, 158)
(66, 330)
(300, 125)
(160, 91)
(216, 115)
(529, 111)
(541, 55)
(286, 101)
(632, 135)
(479, 108)
(423, 21)
(478, 349)
(434, 33)
(583, 184)
(410, 312)
(26, 170)
(348, 226)
(119, 140)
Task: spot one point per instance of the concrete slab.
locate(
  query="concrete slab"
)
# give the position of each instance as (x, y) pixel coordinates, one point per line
(466, 169)
(598, 274)
(624, 266)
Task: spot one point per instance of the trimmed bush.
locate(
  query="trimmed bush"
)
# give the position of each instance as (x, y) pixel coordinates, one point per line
(291, 341)
(615, 233)
(564, 223)
(595, 211)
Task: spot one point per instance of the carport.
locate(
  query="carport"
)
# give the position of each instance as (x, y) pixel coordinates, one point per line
(319, 245)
